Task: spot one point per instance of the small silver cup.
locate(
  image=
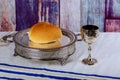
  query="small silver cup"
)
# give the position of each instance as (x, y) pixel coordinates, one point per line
(89, 34)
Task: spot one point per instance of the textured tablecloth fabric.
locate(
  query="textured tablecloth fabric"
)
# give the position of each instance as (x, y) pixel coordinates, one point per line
(106, 50)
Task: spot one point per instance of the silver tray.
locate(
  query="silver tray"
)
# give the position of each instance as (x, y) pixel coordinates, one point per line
(61, 53)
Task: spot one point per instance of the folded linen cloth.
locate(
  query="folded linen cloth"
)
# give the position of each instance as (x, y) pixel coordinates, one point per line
(15, 72)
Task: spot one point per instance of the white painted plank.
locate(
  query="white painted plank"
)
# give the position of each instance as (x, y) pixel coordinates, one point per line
(7, 15)
(70, 14)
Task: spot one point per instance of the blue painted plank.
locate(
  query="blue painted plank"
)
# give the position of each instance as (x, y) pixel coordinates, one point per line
(112, 21)
(113, 9)
(93, 12)
(26, 13)
(53, 12)
(49, 11)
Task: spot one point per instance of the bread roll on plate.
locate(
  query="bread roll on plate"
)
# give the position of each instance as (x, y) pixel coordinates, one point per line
(44, 32)
(45, 35)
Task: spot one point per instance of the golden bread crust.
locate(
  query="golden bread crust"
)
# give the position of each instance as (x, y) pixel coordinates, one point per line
(44, 32)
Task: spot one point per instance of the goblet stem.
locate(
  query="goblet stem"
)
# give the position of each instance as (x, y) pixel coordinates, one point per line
(89, 60)
(89, 52)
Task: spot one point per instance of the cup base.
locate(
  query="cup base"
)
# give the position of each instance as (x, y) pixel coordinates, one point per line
(89, 61)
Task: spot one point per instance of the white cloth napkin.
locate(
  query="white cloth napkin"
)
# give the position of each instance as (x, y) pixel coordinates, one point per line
(106, 50)
(15, 72)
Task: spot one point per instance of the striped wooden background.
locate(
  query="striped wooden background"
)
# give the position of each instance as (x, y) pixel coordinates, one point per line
(68, 14)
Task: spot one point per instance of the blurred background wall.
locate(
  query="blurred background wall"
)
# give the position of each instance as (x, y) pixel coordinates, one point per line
(68, 14)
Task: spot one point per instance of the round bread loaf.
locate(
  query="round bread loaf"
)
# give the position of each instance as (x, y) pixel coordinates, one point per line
(44, 32)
